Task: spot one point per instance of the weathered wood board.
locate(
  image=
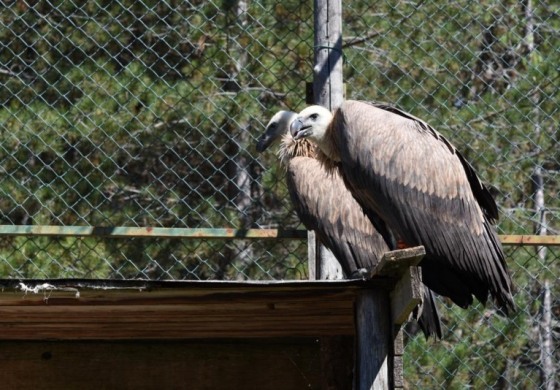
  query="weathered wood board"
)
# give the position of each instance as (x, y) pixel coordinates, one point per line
(67, 311)
(177, 364)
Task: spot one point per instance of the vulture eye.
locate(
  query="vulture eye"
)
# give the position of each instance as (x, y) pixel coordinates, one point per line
(314, 116)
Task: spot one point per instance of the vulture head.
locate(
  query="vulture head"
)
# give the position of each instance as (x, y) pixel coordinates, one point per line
(312, 123)
(276, 127)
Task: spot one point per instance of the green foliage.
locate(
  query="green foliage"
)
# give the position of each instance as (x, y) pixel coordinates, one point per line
(145, 113)
(481, 348)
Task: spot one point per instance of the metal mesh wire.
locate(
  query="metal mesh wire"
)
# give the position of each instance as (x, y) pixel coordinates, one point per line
(145, 113)
(486, 76)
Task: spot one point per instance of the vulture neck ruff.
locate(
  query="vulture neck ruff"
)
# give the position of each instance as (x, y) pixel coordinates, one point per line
(290, 148)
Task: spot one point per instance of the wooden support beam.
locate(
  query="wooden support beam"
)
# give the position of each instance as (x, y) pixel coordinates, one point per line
(147, 232)
(190, 310)
(373, 346)
(202, 233)
(379, 315)
(530, 240)
(327, 91)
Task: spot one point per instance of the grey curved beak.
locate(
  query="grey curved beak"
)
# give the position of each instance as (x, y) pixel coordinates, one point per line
(295, 128)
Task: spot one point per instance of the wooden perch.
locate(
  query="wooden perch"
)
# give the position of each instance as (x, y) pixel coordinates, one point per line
(408, 290)
(396, 263)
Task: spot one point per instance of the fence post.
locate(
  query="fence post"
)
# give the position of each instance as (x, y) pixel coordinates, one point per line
(374, 308)
(336, 352)
(373, 328)
(327, 92)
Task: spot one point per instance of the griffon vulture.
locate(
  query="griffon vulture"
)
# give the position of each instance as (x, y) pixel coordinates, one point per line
(325, 206)
(400, 168)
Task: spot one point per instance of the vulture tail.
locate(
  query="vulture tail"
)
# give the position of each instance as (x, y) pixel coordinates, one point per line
(429, 320)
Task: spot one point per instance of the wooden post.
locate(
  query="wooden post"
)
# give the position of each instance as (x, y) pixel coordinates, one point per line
(327, 69)
(327, 92)
(373, 332)
(379, 315)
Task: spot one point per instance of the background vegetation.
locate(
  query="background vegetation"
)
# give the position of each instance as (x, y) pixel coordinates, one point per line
(145, 113)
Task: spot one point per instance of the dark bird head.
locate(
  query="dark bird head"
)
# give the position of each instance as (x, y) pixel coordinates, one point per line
(311, 123)
(277, 127)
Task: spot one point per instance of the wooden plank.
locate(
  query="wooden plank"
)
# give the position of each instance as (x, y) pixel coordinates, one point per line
(210, 233)
(394, 263)
(189, 321)
(268, 364)
(103, 286)
(530, 240)
(193, 312)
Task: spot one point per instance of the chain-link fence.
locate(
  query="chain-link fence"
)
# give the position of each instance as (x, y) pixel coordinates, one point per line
(145, 113)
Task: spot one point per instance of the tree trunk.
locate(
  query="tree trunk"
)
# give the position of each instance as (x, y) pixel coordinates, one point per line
(241, 172)
(545, 340)
(545, 329)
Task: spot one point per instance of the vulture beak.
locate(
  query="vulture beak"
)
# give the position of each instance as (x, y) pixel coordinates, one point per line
(275, 129)
(264, 142)
(297, 129)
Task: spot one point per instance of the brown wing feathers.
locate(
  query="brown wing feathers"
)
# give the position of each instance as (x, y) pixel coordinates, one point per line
(481, 193)
(428, 194)
(325, 205)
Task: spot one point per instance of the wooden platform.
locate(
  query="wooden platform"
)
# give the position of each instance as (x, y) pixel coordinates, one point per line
(93, 334)
(157, 335)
